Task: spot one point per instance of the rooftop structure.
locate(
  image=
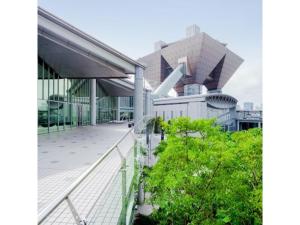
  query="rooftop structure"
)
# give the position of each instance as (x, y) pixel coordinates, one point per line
(71, 52)
(248, 106)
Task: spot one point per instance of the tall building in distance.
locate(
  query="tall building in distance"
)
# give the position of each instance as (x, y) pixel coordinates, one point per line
(259, 107)
(210, 63)
(248, 106)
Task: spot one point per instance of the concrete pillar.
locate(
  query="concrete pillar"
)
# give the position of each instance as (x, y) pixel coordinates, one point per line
(259, 124)
(93, 106)
(118, 109)
(138, 99)
(148, 103)
(237, 125)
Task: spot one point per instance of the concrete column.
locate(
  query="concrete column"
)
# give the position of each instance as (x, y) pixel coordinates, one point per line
(93, 106)
(118, 109)
(237, 125)
(138, 99)
(148, 103)
(259, 124)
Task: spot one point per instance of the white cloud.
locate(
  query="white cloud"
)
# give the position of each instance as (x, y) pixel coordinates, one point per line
(246, 84)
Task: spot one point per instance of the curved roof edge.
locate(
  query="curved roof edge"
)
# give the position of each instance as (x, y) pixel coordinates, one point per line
(204, 97)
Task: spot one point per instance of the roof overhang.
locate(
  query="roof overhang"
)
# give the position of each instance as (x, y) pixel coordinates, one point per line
(74, 54)
(119, 87)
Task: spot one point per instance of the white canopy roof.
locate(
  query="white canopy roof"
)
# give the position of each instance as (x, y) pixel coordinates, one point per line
(75, 54)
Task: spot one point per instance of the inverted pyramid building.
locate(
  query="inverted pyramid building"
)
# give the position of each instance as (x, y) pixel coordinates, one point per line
(210, 62)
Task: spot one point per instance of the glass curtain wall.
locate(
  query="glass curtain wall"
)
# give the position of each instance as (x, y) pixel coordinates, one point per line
(126, 108)
(107, 106)
(62, 103)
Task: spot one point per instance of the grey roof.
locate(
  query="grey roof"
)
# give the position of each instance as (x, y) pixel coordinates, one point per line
(71, 51)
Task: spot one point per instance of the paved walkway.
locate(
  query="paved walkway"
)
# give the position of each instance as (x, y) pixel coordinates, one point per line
(63, 156)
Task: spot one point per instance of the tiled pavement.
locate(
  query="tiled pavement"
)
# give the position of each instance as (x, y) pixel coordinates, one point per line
(63, 156)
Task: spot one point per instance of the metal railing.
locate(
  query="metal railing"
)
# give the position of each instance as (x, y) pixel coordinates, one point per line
(249, 115)
(106, 191)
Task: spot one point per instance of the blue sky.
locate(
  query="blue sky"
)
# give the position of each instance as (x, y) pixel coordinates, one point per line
(133, 26)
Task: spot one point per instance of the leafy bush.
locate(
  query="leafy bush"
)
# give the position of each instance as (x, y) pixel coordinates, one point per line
(157, 125)
(207, 176)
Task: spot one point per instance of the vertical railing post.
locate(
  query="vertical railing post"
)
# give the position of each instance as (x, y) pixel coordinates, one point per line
(74, 212)
(141, 159)
(124, 192)
(137, 169)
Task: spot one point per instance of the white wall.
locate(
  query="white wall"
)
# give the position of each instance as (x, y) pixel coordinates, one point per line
(195, 110)
(177, 110)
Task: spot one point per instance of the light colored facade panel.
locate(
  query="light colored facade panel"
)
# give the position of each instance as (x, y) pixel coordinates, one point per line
(170, 111)
(193, 110)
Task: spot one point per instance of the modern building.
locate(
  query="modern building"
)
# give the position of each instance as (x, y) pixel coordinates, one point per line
(248, 119)
(259, 107)
(209, 62)
(87, 175)
(248, 106)
(82, 81)
(189, 65)
(213, 105)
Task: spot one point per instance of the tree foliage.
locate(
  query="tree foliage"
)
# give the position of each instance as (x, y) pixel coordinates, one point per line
(207, 176)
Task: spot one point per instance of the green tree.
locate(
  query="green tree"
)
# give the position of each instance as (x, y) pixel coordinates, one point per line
(207, 176)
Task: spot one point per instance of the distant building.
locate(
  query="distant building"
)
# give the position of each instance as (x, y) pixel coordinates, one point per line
(192, 30)
(208, 62)
(246, 119)
(248, 106)
(203, 106)
(258, 107)
(191, 66)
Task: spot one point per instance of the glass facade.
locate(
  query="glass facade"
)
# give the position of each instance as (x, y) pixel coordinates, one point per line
(107, 108)
(126, 108)
(64, 103)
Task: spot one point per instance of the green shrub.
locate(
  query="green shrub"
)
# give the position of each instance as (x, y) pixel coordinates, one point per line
(157, 125)
(207, 176)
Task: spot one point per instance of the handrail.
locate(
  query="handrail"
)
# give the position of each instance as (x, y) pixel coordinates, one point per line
(55, 203)
(44, 213)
